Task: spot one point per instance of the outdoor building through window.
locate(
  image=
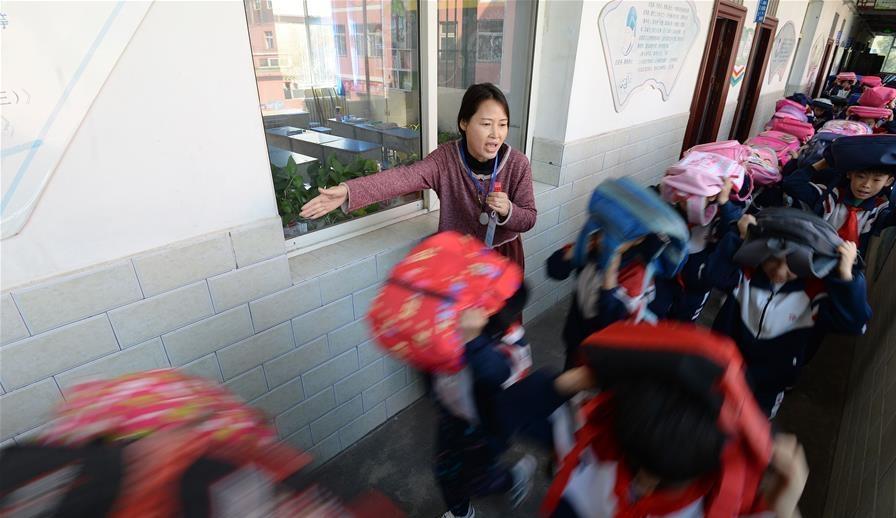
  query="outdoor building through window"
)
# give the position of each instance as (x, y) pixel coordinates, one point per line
(339, 92)
(339, 38)
(489, 40)
(485, 41)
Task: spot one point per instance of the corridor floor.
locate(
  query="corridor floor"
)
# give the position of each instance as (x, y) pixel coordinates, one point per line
(396, 458)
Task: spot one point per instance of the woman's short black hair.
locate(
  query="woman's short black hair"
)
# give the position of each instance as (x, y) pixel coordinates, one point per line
(474, 96)
(665, 430)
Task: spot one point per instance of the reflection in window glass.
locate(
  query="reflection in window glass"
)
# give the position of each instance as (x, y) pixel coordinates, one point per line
(881, 45)
(339, 91)
(485, 41)
(890, 63)
(489, 40)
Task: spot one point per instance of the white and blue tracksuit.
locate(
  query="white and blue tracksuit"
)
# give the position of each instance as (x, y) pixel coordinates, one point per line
(779, 327)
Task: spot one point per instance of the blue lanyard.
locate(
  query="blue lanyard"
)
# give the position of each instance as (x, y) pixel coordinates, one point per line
(476, 182)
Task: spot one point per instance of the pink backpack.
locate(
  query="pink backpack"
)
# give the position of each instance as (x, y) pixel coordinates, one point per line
(762, 166)
(697, 176)
(781, 143)
(843, 127)
(781, 103)
(877, 97)
(801, 130)
(791, 112)
(866, 112)
(730, 149)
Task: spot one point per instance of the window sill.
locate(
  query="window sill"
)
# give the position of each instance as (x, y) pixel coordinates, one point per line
(352, 228)
(308, 264)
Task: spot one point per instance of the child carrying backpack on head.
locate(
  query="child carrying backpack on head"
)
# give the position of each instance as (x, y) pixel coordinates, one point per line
(631, 235)
(864, 168)
(674, 432)
(843, 85)
(790, 280)
(450, 309)
(822, 112)
(699, 187)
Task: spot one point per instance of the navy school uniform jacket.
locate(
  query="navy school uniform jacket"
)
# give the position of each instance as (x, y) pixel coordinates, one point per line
(683, 296)
(777, 328)
(505, 410)
(610, 306)
(831, 201)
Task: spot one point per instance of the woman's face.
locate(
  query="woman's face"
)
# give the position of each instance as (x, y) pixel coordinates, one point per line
(486, 130)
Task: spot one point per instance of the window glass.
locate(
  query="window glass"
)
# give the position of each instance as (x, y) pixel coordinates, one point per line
(339, 91)
(890, 64)
(485, 41)
(881, 45)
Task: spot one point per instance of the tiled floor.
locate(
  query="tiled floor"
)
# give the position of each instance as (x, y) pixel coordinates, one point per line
(397, 458)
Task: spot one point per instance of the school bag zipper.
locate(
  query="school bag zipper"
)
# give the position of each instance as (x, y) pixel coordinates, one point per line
(764, 309)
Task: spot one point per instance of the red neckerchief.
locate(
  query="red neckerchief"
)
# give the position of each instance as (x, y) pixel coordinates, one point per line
(849, 230)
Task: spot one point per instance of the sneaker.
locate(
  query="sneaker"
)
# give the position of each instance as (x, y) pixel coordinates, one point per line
(522, 473)
(471, 513)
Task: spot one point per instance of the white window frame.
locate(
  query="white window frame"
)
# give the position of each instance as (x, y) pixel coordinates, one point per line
(268, 40)
(429, 33)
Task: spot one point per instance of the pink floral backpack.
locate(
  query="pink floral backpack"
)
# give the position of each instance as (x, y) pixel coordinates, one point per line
(762, 166)
(730, 149)
(783, 144)
(696, 176)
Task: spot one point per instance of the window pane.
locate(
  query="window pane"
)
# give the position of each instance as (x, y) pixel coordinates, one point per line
(881, 45)
(890, 64)
(339, 87)
(485, 41)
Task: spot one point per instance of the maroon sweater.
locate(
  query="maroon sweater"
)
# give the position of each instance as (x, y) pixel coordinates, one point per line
(443, 171)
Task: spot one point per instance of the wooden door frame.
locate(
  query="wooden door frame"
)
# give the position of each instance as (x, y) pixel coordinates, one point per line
(822, 77)
(727, 10)
(771, 24)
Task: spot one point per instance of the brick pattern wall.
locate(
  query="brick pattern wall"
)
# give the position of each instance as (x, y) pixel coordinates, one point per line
(863, 479)
(566, 174)
(284, 334)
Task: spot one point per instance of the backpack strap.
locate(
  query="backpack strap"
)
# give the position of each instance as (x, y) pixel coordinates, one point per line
(584, 438)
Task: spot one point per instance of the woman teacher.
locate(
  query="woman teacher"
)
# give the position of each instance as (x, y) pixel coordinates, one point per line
(485, 187)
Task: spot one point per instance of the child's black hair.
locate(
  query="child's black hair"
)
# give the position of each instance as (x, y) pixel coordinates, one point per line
(665, 430)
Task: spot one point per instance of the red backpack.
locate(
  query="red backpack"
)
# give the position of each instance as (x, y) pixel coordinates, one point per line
(700, 360)
(414, 317)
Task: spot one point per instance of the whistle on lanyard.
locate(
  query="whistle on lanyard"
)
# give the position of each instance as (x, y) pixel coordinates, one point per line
(492, 221)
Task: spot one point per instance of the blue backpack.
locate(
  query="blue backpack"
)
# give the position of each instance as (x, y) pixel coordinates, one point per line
(624, 211)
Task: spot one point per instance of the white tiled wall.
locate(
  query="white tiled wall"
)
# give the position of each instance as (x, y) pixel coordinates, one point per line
(285, 334)
(567, 173)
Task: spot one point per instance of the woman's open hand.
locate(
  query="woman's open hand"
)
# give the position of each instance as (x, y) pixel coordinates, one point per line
(327, 201)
